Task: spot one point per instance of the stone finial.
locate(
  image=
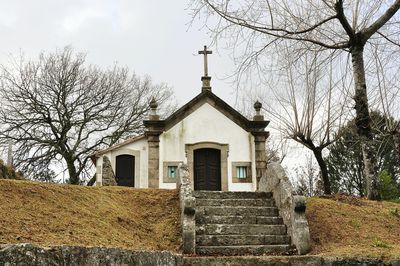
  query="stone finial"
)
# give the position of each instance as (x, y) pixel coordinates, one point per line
(153, 109)
(258, 116)
(257, 106)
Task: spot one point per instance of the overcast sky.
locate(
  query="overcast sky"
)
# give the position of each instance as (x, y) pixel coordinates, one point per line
(150, 37)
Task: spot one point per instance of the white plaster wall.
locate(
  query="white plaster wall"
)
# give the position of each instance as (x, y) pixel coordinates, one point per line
(139, 149)
(207, 124)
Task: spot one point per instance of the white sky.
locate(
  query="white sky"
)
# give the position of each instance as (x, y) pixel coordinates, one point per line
(150, 37)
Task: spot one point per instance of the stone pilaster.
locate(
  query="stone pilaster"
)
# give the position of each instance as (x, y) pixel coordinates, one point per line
(153, 159)
(154, 127)
(260, 153)
(260, 136)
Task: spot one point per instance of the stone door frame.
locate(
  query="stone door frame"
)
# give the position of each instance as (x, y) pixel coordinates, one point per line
(224, 148)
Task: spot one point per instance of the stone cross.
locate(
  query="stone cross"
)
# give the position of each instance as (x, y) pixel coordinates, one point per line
(205, 52)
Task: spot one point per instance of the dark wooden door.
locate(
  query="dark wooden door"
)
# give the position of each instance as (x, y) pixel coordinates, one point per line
(125, 170)
(207, 169)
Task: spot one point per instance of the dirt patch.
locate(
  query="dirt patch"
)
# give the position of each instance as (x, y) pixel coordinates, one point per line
(48, 214)
(348, 226)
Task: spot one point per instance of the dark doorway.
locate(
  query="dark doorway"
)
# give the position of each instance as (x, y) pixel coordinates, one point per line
(125, 170)
(207, 169)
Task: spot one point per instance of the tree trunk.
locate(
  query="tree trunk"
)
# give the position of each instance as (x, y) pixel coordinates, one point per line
(73, 176)
(363, 123)
(324, 171)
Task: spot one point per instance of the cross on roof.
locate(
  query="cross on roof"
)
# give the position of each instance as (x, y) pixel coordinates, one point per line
(205, 52)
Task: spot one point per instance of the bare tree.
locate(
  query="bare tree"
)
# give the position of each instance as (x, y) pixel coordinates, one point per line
(57, 110)
(335, 25)
(311, 107)
(307, 178)
(388, 94)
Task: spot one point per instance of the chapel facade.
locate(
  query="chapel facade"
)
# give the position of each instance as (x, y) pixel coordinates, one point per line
(224, 151)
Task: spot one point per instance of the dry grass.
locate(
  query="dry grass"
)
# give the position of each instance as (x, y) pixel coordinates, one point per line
(48, 214)
(147, 219)
(349, 226)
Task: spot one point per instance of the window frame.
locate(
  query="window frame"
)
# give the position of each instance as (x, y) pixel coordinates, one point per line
(166, 164)
(235, 178)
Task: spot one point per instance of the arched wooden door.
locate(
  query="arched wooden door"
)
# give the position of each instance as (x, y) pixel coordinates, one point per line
(207, 169)
(125, 170)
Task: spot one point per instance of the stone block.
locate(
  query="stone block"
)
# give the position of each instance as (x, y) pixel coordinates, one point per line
(108, 176)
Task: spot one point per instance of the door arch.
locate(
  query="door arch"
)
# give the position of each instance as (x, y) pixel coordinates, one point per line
(125, 170)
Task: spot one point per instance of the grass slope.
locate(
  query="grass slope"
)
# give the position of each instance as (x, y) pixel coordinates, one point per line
(48, 214)
(349, 226)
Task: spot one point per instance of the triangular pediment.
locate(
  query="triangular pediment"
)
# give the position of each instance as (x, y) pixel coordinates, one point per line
(207, 96)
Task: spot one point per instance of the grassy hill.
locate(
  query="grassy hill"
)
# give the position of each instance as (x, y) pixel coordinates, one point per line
(49, 214)
(349, 226)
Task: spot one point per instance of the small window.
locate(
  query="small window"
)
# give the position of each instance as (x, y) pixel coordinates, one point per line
(241, 172)
(172, 171)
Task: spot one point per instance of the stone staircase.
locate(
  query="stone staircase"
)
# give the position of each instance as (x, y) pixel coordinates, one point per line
(238, 223)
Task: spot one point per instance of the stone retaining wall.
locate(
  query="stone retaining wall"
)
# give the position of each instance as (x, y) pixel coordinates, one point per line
(28, 254)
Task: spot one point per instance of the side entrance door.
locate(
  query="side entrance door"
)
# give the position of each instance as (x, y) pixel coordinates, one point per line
(125, 170)
(207, 169)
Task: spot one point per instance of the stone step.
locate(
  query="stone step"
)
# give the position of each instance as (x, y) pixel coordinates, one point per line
(240, 229)
(235, 202)
(204, 219)
(292, 260)
(202, 194)
(239, 211)
(256, 250)
(234, 240)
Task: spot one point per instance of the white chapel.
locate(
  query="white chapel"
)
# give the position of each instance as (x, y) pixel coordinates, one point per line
(224, 151)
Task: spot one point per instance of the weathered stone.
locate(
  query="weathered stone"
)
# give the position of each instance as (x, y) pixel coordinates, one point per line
(233, 219)
(28, 254)
(188, 210)
(235, 240)
(231, 195)
(242, 250)
(235, 202)
(243, 229)
(240, 211)
(108, 176)
(291, 209)
(153, 140)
